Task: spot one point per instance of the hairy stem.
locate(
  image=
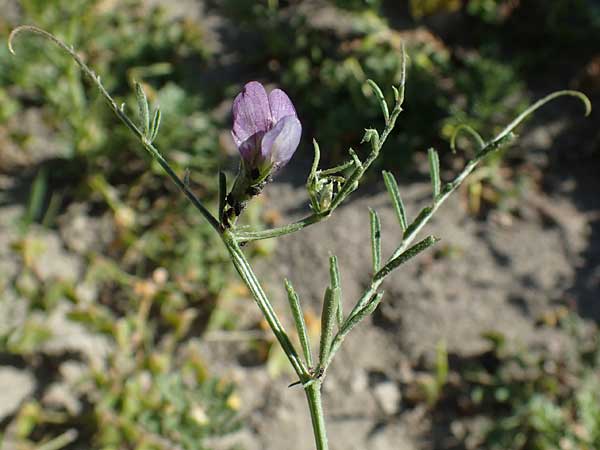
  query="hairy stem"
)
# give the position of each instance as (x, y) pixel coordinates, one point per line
(315, 405)
(489, 147)
(313, 390)
(247, 274)
(245, 236)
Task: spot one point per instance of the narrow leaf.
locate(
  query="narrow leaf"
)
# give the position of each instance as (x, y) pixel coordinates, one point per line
(144, 110)
(375, 240)
(316, 159)
(37, 194)
(328, 319)
(471, 132)
(337, 169)
(399, 92)
(299, 321)
(434, 170)
(355, 158)
(312, 182)
(392, 187)
(339, 308)
(362, 313)
(155, 124)
(336, 289)
(334, 272)
(380, 99)
(396, 94)
(404, 257)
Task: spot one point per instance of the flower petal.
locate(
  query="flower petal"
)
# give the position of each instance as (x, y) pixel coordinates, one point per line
(279, 144)
(251, 112)
(250, 149)
(281, 105)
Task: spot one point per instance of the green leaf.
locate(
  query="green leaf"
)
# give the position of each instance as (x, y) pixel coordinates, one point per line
(404, 257)
(375, 240)
(381, 99)
(355, 158)
(155, 124)
(362, 313)
(392, 187)
(434, 170)
(399, 92)
(334, 273)
(471, 132)
(341, 167)
(38, 192)
(315, 165)
(144, 110)
(299, 321)
(328, 319)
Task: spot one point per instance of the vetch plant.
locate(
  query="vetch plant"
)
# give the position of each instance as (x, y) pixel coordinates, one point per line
(267, 131)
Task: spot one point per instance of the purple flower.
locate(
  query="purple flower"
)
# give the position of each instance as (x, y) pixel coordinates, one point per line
(266, 129)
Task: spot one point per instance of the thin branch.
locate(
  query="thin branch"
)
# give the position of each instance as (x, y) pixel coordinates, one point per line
(150, 148)
(489, 147)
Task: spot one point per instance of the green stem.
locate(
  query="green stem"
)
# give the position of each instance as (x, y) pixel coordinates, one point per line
(245, 236)
(487, 148)
(313, 389)
(341, 335)
(247, 274)
(315, 405)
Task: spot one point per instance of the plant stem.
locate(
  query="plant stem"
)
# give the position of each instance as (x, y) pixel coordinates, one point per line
(313, 390)
(245, 236)
(315, 405)
(247, 274)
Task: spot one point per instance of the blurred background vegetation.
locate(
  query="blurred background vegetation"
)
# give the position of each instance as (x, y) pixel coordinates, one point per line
(135, 268)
